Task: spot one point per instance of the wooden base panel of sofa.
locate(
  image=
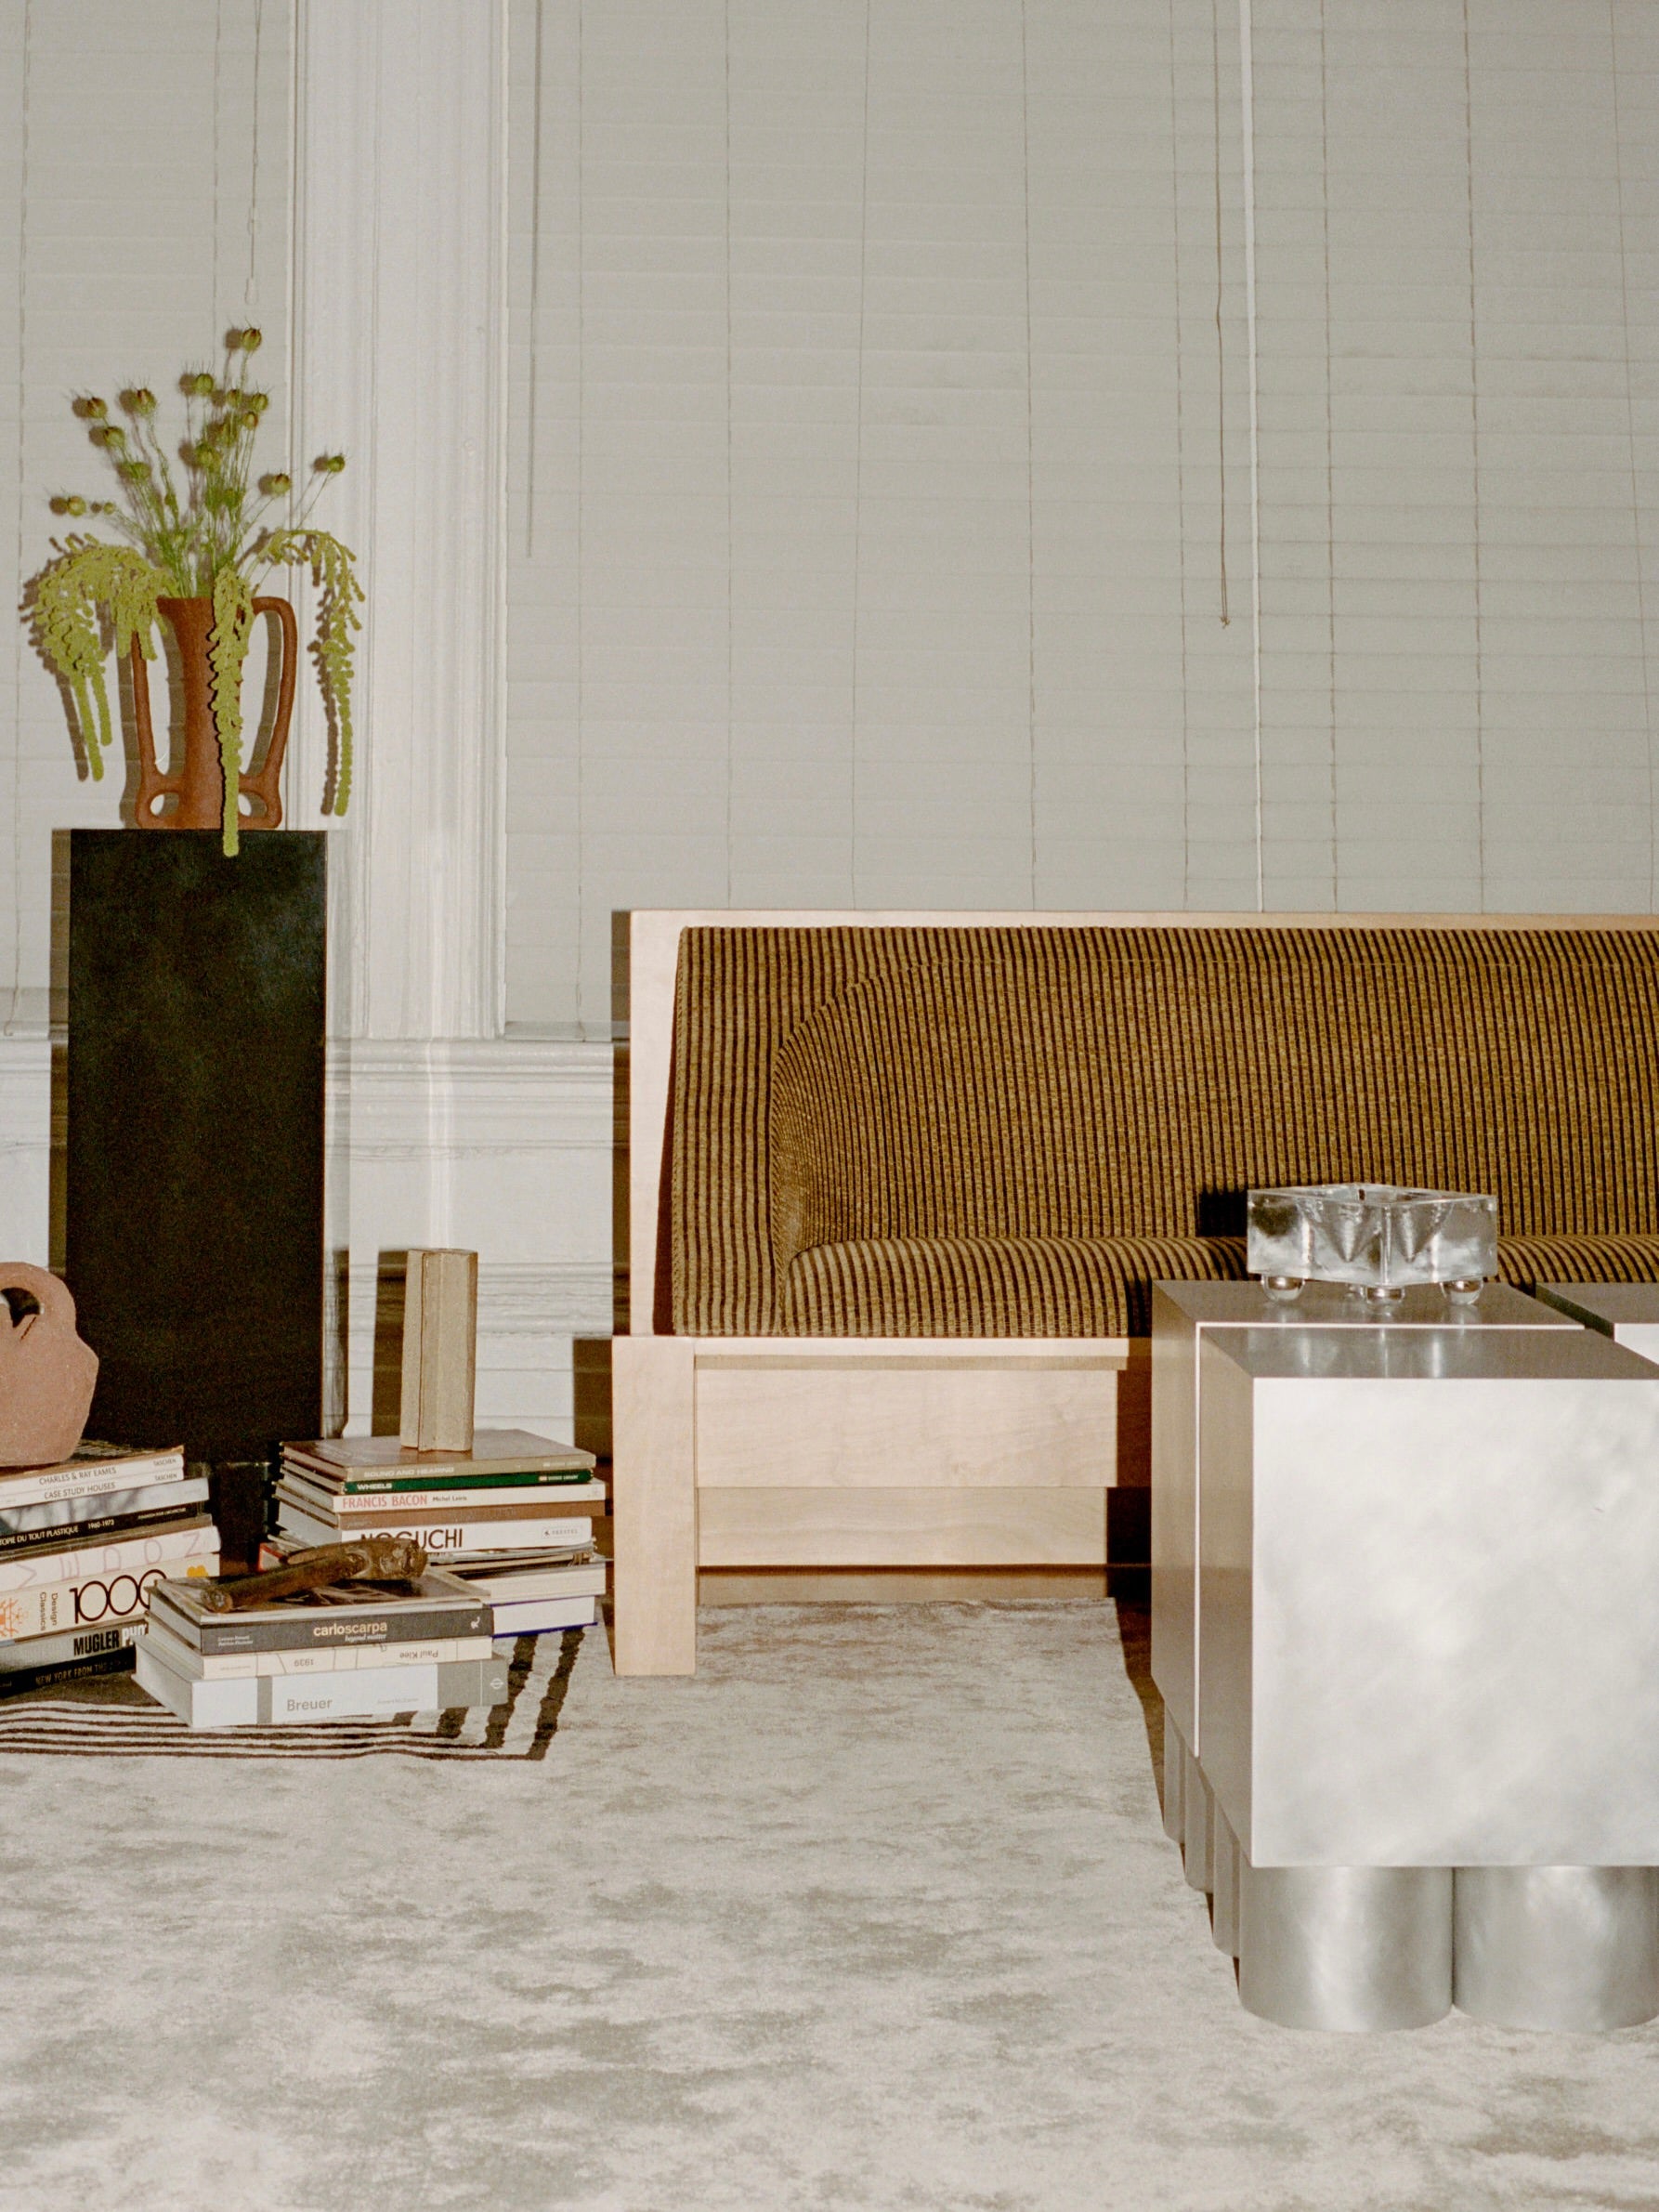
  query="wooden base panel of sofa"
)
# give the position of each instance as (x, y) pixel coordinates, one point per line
(830, 1527)
(901, 1585)
(829, 1454)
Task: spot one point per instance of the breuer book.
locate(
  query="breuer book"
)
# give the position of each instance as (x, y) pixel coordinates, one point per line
(274, 1700)
(345, 1613)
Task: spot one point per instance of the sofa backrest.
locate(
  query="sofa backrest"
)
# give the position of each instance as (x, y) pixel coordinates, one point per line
(833, 1084)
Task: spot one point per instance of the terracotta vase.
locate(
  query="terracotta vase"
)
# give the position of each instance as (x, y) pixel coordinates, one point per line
(47, 1373)
(198, 784)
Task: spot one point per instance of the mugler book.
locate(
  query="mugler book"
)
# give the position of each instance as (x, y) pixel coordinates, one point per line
(345, 1651)
(80, 1544)
(513, 1491)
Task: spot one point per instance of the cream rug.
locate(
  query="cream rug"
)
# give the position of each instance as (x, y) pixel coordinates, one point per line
(876, 1912)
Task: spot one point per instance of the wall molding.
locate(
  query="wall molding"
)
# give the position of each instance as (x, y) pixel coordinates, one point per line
(413, 1098)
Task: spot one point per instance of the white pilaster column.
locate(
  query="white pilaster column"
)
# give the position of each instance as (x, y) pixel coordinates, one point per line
(398, 337)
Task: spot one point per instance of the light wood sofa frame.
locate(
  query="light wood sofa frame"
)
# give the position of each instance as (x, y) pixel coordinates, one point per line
(819, 1453)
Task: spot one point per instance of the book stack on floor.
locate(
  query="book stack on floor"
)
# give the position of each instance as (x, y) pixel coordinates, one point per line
(81, 1545)
(348, 1650)
(513, 1518)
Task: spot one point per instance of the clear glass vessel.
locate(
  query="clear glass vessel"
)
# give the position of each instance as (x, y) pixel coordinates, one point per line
(1376, 1236)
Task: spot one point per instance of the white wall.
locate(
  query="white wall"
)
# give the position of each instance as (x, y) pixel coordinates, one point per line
(869, 414)
(127, 179)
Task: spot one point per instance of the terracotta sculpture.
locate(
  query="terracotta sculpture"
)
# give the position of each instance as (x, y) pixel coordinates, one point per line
(47, 1373)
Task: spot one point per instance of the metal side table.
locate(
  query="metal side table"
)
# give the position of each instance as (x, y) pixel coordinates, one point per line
(1425, 1661)
(1182, 1315)
(1628, 1313)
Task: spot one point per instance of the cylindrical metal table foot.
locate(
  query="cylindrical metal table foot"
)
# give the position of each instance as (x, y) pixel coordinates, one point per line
(1223, 1898)
(1348, 1947)
(1175, 1757)
(1198, 1812)
(1565, 1947)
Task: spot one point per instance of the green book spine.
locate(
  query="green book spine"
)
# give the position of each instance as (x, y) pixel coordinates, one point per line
(365, 1486)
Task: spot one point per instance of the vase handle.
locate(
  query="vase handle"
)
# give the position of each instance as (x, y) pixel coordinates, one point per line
(153, 783)
(267, 786)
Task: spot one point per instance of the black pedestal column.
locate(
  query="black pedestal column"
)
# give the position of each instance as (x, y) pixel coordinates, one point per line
(193, 1207)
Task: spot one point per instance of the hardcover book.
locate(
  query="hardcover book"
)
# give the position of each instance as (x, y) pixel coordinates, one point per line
(64, 1538)
(18, 1681)
(522, 1493)
(72, 1514)
(502, 1504)
(229, 1666)
(440, 1537)
(269, 1700)
(190, 1537)
(536, 1617)
(93, 1470)
(35, 1652)
(494, 1451)
(339, 1616)
(96, 1598)
(503, 1582)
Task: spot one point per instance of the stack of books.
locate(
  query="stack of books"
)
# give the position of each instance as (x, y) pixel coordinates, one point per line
(513, 1518)
(349, 1651)
(81, 1545)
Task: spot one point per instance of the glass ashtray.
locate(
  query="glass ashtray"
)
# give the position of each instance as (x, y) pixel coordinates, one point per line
(1377, 1238)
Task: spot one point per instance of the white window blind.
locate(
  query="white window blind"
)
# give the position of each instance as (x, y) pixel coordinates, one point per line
(883, 462)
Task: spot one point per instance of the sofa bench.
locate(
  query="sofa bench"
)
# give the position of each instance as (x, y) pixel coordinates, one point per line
(900, 1185)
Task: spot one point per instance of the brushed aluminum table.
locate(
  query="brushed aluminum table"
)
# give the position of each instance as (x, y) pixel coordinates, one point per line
(1628, 1313)
(1426, 1669)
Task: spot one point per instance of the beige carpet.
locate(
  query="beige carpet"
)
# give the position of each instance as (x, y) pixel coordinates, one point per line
(876, 1912)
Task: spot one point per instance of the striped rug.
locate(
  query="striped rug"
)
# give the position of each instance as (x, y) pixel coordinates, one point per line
(115, 1718)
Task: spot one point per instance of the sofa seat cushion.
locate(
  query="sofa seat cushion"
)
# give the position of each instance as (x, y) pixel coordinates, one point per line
(995, 1286)
(1087, 1285)
(1528, 1260)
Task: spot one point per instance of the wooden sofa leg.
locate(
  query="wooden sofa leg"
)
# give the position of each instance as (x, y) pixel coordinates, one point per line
(654, 1505)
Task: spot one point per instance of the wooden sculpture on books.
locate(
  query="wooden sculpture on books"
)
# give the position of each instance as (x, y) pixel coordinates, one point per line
(47, 1373)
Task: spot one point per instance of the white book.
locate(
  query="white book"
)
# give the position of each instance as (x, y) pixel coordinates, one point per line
(442, 1536)
(111, 1555)
(72, 1514)
(357, 1693)
(101, 1472)
(97, 1598)
(533, 1616)
(531, 1500)
(247, 1665)
(502, 1586)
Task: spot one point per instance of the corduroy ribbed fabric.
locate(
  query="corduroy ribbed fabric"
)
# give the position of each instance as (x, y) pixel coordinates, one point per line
(929, 1131)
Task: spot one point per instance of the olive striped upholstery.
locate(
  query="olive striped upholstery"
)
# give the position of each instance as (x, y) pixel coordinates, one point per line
(984, 1132)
